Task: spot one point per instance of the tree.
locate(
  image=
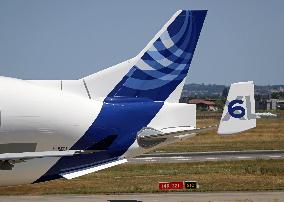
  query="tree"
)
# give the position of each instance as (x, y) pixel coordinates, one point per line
(277, 95)
(225, 92)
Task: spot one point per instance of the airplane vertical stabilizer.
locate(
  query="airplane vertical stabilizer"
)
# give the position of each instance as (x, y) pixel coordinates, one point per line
(158, 72)
(239, 111)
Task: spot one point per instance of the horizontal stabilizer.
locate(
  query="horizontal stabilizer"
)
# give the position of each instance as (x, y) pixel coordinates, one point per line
(85, 171)
(7, 160)
(31, 155)
(150, 137)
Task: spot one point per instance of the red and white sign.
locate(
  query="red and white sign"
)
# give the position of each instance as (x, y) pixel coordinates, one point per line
(171, 185)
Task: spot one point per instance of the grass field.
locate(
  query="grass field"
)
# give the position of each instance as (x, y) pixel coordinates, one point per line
(211, 176)
(268, 135)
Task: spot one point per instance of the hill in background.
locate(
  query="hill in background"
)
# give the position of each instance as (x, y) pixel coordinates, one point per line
(216, 91)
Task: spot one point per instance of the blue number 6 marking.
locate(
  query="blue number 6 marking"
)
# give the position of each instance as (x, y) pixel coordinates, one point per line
(232, 110)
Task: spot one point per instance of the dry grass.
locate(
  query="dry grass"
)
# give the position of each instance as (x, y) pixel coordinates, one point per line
(212, 176)
(268, 135)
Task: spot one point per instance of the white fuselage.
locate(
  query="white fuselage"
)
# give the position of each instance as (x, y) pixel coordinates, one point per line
(53, 120)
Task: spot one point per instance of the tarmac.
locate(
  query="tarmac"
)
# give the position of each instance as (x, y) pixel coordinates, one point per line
(208, 156)
(165, 197)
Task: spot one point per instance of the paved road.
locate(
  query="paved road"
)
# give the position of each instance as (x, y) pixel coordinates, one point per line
(165, 197)
(208, 156)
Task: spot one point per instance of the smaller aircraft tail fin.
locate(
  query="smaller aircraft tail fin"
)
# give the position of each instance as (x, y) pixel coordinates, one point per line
(239, 110)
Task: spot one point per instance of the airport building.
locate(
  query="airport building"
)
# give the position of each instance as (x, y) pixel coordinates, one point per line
(204, 104)
(273, 104)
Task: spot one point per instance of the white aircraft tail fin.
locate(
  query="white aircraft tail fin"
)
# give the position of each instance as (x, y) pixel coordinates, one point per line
(239, 111)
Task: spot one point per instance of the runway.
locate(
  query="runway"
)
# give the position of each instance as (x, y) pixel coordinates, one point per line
(165, 197)
(208, 156)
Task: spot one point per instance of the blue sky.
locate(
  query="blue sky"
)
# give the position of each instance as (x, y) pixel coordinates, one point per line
(67, 39)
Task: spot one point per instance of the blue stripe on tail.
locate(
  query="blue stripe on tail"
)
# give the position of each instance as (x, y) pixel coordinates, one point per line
(164, 66)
